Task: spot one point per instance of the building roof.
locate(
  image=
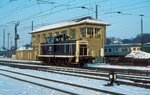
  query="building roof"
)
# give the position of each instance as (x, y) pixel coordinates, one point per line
(139, 55)
(70, 23)
(24, 48)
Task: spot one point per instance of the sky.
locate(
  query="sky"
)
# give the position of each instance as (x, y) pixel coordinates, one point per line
(127, 24)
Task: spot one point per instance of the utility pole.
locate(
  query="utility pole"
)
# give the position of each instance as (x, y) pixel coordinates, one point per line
(141, 31)
(11, 42)
(32, 26)
(8, 40)
(96, 12)
(16, 35)
(4, 38)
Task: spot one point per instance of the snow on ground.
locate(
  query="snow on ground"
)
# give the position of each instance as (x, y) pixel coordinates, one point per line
(101, 65)
(15, 60)
(129, 90)
(10, 86)
(139, 54)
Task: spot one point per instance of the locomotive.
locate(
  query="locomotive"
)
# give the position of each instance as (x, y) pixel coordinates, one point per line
(59, 50)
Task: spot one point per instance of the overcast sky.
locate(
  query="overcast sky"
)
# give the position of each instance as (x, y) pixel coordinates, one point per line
(44, 12)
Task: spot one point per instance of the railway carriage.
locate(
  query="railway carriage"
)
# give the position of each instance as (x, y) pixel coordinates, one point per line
(61, 51)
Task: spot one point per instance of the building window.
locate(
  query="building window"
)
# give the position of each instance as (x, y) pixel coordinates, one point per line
(57, 33)
(134, 49)
(64, 32)
(33, 38)
(83, 32)
(90, 32)
(38, 38)
(138, 49)
(50, 34)
(44, 37)
(97, 32)
(73, 33)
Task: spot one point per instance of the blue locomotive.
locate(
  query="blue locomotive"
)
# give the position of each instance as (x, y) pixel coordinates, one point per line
(59, 50)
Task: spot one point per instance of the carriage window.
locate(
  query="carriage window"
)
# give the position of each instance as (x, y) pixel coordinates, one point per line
(109, 50)
(105, 50)
(124, 49)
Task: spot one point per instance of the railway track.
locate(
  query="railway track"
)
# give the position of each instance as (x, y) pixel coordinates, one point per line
(35, 80)
(132, 80)
(128, 79)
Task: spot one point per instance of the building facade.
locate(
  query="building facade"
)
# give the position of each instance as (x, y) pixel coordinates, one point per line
(87, 28)
(24, 53)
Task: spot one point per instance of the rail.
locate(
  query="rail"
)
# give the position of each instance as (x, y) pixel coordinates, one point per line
(9, 74)
(111, 73)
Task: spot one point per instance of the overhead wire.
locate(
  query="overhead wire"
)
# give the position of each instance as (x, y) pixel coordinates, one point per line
(39, 14)
(127, 5)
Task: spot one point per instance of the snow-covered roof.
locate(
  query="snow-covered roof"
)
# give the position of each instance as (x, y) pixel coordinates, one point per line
(70, 23)
(24, 48)
(139, 54)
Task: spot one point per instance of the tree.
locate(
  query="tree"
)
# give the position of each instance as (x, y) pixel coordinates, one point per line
(146, 38)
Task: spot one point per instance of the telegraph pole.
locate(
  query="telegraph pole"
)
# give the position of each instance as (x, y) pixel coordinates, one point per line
(141, 31)
(32, 26)
(16, 35)
(11, 42)
(4, 38)
(96, 12)
(8, 40)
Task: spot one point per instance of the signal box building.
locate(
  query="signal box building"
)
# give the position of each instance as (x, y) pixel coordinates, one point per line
(87, 28)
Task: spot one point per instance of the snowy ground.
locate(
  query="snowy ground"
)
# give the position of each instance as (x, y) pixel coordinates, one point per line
(13, 87)
(10, 86)
(103, 65)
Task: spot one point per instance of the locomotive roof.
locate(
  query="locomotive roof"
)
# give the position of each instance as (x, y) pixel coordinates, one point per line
(70, 23)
